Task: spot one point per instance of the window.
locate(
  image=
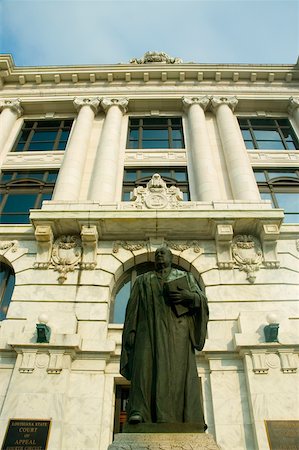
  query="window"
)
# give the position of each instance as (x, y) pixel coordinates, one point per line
(282, 188)
(268, 134)
(22, 191)
(158, 132)
(123, 293)
(140, 177)
(7, 283)
(121, 400)
(43, 135)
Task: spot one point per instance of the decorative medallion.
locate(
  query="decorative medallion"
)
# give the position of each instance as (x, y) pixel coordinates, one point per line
(6, 245)
(156, 195)
(66, 255)
(247, 253)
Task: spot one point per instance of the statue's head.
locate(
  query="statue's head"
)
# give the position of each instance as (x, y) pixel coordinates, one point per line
(163, 257)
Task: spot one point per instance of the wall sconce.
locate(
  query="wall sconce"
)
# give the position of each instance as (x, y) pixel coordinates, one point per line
(42, 330)
(271, 330)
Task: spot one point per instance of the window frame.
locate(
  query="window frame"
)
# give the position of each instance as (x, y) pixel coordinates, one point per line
(279, 185)
(141, 127)
(278, 127)
(26, 185)
(31, 126)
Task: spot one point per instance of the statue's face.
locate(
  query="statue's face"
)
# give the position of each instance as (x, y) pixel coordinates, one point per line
(163, 256)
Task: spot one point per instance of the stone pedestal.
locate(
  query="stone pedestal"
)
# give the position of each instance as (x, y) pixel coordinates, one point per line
(163, 441)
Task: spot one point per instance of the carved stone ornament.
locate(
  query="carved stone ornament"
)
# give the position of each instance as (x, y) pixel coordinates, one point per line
(130, 246)
(122, 103)
(66, 255)
(181, 246)
(247, 253)
(231, 102)
(6, 245)
(14, 104)
(293, 104)
(203, 102)
(93, 102)
(156, 195)
(156, 57)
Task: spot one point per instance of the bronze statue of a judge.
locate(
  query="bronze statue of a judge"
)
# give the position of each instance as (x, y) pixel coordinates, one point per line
(166, 320)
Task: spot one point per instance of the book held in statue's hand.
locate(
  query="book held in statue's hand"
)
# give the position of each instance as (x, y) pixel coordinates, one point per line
(175, 286)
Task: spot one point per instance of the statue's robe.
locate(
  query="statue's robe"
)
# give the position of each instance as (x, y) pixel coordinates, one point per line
(161, 363)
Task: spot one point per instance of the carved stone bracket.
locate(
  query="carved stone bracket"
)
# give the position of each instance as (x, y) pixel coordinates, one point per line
(288, 361)
(8, 245)
(130, 246)
(44, 237)
(223, 237)
(55, 362)
(28, 361)
(259, 362)
(156, 195)
(89, 236)
(269, 234)
(247, 253)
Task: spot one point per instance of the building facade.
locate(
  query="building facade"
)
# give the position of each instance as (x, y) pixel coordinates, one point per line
(100, 165)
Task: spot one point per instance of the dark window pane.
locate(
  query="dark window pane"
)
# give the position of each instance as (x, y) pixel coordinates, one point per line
(267, 135)
(155, 144)
(177, 134)
(249, 145)
(61, 145)
(31, 175)
(134, 134)
(246, 134)
(15, 218)
(19, 202)
(120, 304)
(20, 147)
(46, 196)
(134, 122)
(267, 196)
(270, 145)
(7, 282)
(259, 176)
(126, 196)
(155, 134)
(133, 144)
(181, 175)
(291, 145)
(262, 122)
(283, 122)
(6, 176)
(155, 121)
(289, 201)
(44, 135)
(282, 174)
(177, 144)
(40, 146)
(52, 177)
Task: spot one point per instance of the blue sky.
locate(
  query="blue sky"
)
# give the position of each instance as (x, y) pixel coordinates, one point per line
(71, 32)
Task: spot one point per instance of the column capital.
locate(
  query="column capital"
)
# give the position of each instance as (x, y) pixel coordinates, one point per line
(122, 103)
(14, 104)
(231, 102)
(293, 104)
(93, 102)
(201, 101)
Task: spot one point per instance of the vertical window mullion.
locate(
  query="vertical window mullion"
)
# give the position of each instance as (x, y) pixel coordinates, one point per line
(170, 143)
(278, 129)
(30, 136)
(140, 129)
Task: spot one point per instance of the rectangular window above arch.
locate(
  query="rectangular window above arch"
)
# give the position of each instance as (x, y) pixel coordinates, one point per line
(174, 176)
(43, 135)
(155, 133)
(268, 134)
(21, 191)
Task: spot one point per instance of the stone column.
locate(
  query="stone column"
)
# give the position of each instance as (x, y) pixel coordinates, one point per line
(11, 111)
(203, 168)
(70, 175)
(243, 184)
(104, 177)
(294, 109)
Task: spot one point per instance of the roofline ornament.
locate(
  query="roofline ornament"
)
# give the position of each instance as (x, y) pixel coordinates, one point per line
(156, 57)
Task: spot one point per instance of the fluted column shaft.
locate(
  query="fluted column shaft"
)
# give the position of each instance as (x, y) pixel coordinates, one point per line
(10, 111)
(104, 177)
(70, 175)
(294, 109)
(238, 165)
(203, 167)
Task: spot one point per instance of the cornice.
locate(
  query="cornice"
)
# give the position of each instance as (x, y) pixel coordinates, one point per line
(138, 73)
